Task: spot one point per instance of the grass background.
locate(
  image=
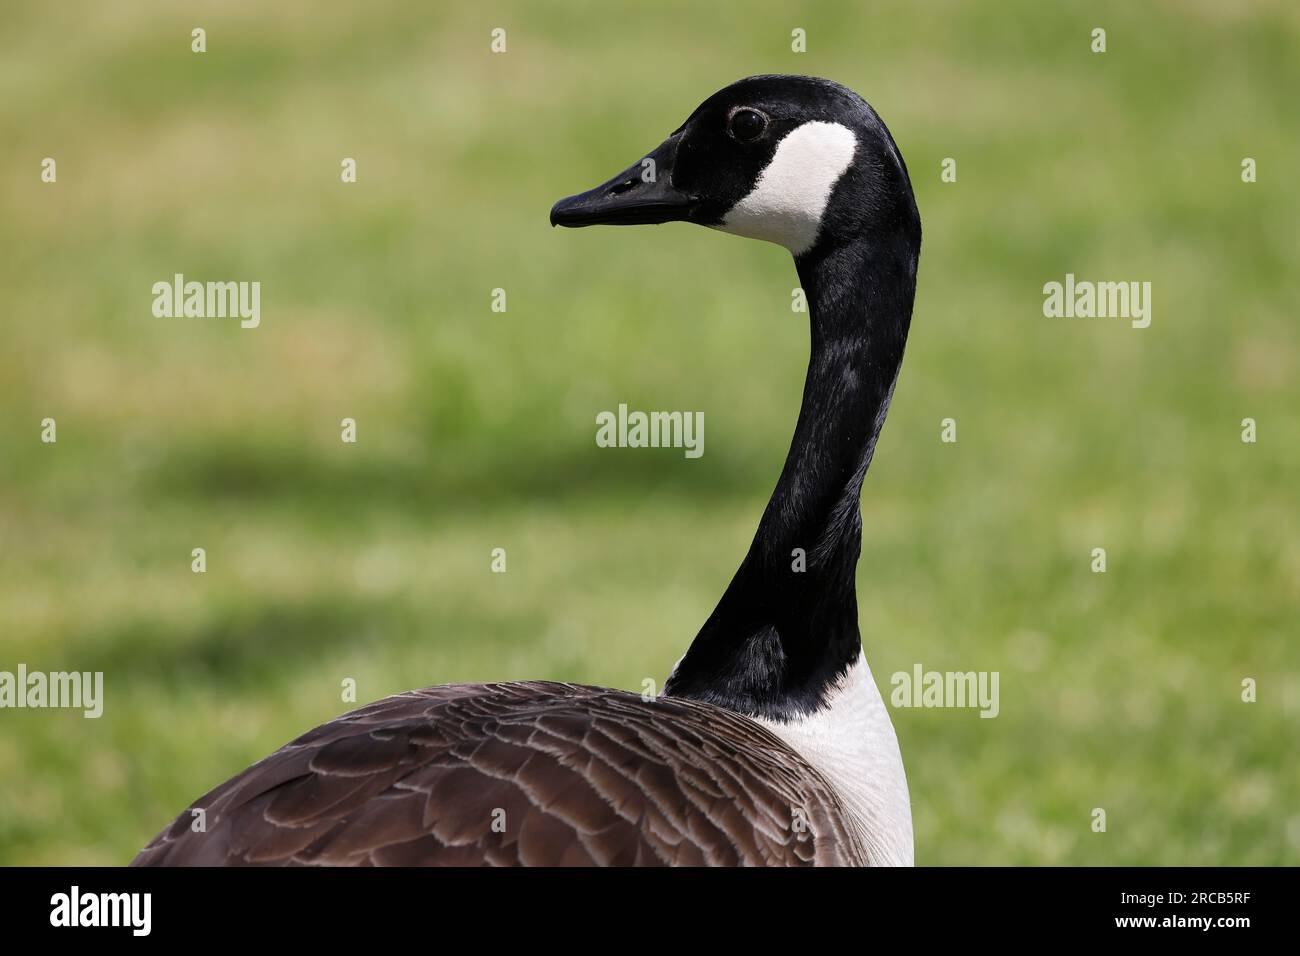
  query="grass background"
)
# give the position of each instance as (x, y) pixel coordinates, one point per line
(371, 561)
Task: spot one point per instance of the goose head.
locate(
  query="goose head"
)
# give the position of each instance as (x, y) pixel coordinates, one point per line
(795, 160)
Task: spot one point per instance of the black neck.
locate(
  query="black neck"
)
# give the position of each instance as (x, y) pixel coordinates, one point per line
(781, 635)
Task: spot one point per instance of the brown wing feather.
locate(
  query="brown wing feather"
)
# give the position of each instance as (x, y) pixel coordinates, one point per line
(534, 774)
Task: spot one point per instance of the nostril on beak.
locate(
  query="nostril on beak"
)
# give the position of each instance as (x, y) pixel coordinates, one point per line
(623, 187)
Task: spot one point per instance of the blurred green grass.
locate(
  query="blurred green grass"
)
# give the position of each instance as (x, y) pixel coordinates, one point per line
(476, 429)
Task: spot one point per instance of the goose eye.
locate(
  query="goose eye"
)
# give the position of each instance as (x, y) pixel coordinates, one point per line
(747, 124)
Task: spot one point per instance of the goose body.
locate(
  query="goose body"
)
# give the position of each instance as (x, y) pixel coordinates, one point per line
(526, 773)
(771, 744)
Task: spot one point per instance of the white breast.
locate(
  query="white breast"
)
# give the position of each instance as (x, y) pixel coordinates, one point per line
(851, 741)
(788, 200)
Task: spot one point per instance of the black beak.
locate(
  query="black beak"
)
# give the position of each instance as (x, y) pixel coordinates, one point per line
(643, 194)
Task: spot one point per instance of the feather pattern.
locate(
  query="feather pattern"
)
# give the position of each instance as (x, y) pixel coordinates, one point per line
(532, 774)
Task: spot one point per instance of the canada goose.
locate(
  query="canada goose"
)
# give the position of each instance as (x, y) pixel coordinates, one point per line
(771, 743)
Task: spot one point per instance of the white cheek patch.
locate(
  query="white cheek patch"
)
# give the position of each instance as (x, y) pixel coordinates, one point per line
(787, 203)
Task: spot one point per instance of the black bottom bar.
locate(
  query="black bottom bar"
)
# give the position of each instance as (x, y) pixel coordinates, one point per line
(441, 906)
